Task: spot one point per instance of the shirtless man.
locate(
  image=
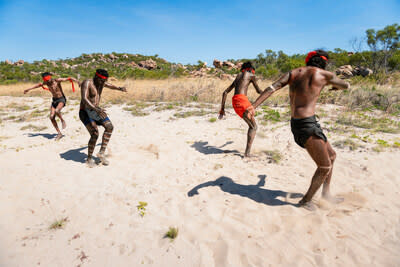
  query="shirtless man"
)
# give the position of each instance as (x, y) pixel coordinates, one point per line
(59, 100)
(92, 115)
(306, 84)
(240, 102)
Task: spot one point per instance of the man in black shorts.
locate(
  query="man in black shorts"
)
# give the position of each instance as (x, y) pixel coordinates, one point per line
(92, 115)
(59, 99)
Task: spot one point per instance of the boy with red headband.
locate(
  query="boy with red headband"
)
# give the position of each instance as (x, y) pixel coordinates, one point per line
(59, 99)
(240, 101)
(305, 85)
(92, 115)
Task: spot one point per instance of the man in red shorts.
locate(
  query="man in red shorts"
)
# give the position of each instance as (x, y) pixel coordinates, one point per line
(240, 102)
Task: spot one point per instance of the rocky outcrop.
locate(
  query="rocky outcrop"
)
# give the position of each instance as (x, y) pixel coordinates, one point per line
(217, 64)
(230, 65)
(148, 64)
(348, 71)
(19, 63)
(345, 70)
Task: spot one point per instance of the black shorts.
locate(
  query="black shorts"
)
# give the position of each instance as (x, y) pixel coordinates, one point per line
(302, 129)
(56, 101)
(86, 118)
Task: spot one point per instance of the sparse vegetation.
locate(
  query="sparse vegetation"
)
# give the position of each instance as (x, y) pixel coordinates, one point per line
(213, 119)
(136, 108)
(346, 143)
(274, 156)
(191, 113)
(142, 208)
(58, 224)
(377, 123)
(34, 128)
(172, 233)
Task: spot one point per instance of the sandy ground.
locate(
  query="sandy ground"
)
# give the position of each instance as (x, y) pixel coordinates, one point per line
(229, 211)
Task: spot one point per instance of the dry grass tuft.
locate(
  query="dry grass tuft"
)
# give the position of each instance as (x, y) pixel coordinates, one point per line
(172, 233)
(58, 224)
(34, 128)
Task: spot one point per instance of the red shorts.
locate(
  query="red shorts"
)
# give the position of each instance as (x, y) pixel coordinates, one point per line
(240, 104)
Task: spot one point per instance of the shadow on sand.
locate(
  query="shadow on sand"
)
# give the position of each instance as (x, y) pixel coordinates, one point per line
(206, 149)
(253, 192)
(48, 136)
(75, 155)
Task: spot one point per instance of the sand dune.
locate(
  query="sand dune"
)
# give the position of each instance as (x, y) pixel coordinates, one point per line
(229, 211)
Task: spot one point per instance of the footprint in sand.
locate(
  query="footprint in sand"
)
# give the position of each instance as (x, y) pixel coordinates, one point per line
(352, 202)
(153, 149)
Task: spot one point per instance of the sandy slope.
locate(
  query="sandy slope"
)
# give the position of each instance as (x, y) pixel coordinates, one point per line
(229, 211)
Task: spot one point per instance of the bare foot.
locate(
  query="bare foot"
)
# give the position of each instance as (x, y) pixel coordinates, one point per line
(333, 199)
(64, 124)
(59, 136)
(103, 159)
(308, 205)
(90, 162)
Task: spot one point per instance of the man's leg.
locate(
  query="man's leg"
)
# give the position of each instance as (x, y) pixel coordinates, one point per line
(326, 187)
(251, 133)
(53, 121)
(106, 138)
(94, 134)
(317, 148)
(58, 113)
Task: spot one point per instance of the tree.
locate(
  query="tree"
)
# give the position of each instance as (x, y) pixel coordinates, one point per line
(383, 43)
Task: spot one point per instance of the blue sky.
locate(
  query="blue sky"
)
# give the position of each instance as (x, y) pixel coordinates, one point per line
(185, 31)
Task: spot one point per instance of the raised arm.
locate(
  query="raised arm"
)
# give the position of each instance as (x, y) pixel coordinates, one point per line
(224, 95)
(68, 79)
(114, 87)
(254, 82)
(33, 87)
(337, 83)
(85, 96)
(280, 83)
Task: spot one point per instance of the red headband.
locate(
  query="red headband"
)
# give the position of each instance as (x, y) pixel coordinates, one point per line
(312, 54)
(46, 78)
(101, 76)
(248, 69)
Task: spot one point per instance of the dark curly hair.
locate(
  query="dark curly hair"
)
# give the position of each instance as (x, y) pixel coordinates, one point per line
(317, 60)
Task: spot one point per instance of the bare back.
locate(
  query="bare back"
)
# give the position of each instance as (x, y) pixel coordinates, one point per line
(306, 84)
(243, 81)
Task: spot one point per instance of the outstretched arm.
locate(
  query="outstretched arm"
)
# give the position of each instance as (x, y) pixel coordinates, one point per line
(68, 79)
(111, 86)
(195, 191)
(337, 83)
(254, 82)
(224, 95)
(33, 87)
(280, 83)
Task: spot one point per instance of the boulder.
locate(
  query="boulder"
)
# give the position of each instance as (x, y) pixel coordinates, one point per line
(228, 64)
(148, 64)
(19, 63)
(217, 64)
(363, 71)
(9, 62)
(65, 65)
(113, 57)
(239, 65)
(133, 64)
(345, 70)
